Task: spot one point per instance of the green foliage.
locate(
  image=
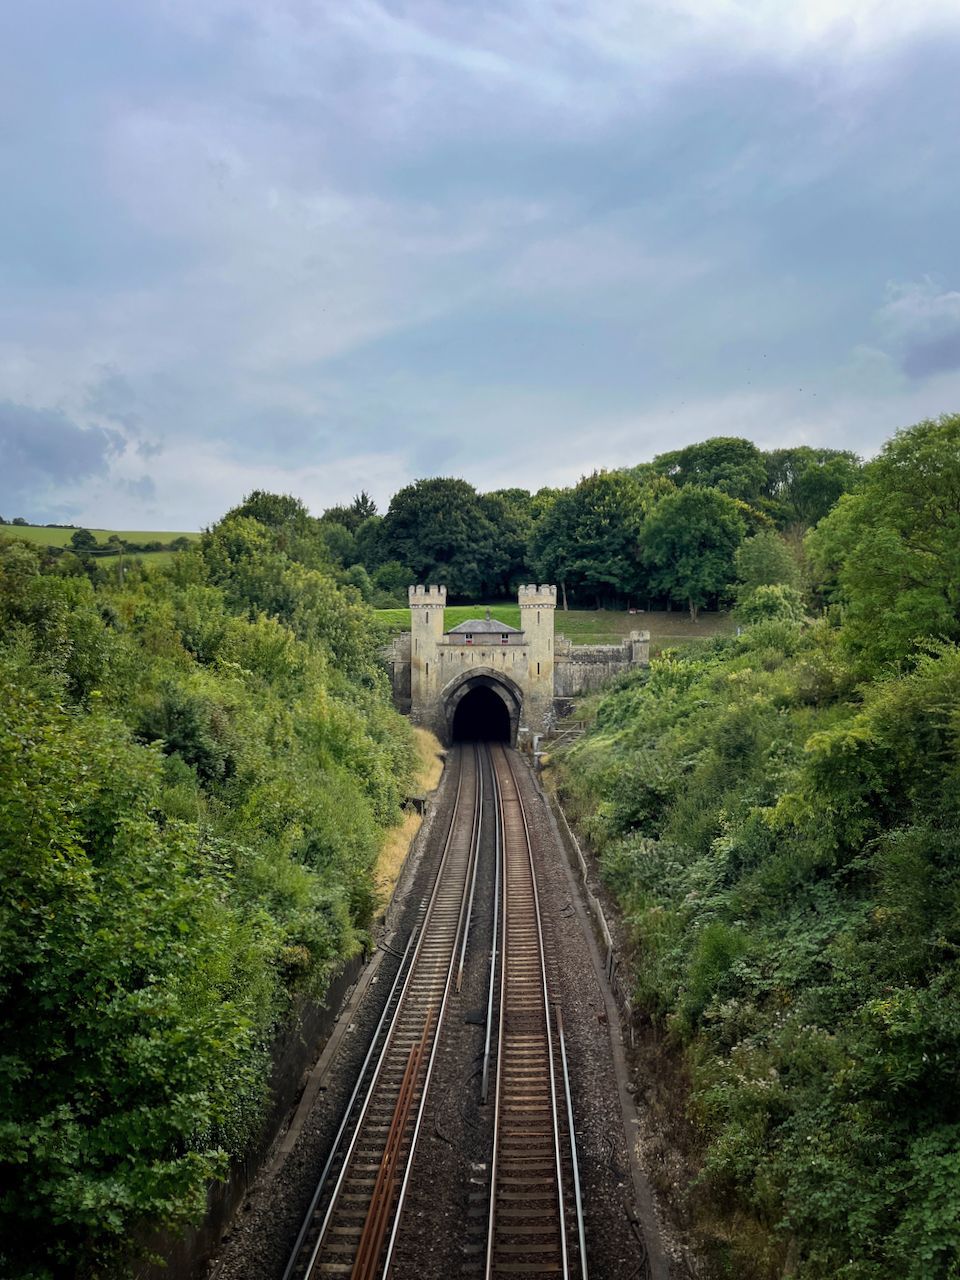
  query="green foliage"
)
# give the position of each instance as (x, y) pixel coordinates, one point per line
(803, 484)
(728, 463)
(588, 538)
(774, 601)
(783, 835)
(440, 528)
(764, 560)
(689, 542)
(196, 772)
(889, 552)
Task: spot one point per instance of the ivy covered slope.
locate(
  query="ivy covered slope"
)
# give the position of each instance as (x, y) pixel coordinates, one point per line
(779, 817)
(195, 775)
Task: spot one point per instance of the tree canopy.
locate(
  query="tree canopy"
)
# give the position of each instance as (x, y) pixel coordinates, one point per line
(892, 547)
(689, 543)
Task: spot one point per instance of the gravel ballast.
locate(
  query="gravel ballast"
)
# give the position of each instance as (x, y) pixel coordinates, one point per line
(444, 1222)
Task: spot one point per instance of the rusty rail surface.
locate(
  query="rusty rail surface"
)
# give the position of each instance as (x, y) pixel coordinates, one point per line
(359, 1197)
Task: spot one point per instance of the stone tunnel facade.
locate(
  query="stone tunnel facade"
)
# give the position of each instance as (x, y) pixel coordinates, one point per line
(531, 672)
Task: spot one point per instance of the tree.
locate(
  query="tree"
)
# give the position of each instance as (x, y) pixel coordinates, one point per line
(764, 560)
(294, 531)
(587, 539)
(510, 512)
(729, 463)
(890, 550)
(803, 484)
(83, 541)
(770, 601)
(276, 510)
(340, 543)
(392, 579)
(369, 542)
(363, 507)
(440, 528)
(351, 517)
(689, 543)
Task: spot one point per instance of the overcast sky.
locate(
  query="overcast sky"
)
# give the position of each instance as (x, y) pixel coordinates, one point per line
(319, 245)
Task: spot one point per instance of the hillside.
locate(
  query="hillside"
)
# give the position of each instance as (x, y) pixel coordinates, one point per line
(778, 816)
(47, 537)
(587, 626)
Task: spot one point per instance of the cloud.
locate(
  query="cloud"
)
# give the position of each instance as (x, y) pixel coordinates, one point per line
(325, 247)
(41, 449)
(920, 327)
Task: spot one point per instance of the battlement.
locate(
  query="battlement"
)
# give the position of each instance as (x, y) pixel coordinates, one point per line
(420, 596)
(544, 596)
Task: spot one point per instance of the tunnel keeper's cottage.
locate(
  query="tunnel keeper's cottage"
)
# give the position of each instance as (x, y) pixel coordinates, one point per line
(486, 673)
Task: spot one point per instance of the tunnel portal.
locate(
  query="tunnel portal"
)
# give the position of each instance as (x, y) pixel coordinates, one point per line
(481, 716)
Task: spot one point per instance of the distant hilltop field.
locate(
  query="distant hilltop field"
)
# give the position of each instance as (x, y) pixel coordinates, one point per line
(106, 544)
(61, 536)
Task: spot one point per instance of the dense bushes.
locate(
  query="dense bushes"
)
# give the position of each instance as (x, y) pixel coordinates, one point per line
(195, 775)
(779, 816)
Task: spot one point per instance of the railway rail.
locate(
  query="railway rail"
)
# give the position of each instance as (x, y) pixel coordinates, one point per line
(535, 1223)
(350, 1227)
(534, 1142)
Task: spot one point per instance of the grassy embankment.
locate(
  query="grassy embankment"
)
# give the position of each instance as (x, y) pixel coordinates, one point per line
(398, 839)
(41, 536)
(588, 626)
(778, 820)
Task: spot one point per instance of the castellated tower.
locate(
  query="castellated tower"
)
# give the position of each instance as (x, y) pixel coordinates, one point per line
(426, 633)
(537, 608)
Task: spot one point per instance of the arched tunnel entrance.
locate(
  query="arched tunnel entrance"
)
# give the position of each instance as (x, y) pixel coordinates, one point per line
(481, 716)
(482, 706)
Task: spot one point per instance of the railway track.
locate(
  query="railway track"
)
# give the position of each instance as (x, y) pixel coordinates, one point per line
(535, 1221)
(535, 1226)
(351, 1226)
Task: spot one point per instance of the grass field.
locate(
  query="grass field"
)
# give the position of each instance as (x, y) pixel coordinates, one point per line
(152, 558)
(61, 537)
(588, 626)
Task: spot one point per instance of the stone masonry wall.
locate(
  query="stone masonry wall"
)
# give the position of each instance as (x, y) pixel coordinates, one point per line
(581, 668)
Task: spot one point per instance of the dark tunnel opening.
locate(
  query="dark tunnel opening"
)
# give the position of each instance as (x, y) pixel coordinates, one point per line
(481, 716)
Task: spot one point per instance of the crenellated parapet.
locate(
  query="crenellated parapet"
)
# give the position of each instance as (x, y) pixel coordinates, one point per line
(422, 597)
(533, 597)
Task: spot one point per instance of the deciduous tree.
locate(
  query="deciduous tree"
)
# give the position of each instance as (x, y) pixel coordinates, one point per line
(689, 542)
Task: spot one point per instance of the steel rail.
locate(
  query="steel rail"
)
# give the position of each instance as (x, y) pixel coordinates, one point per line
(420, 935)
(463, 924)
(485, 1078)
(504, 770)
(308, 1216)
(477, 819)
(578, 1199)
